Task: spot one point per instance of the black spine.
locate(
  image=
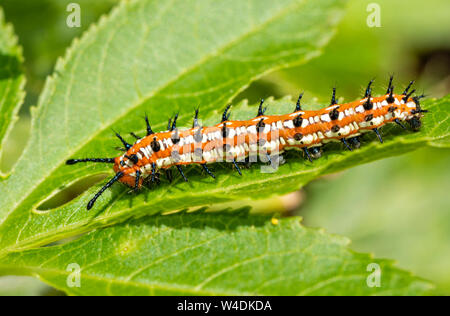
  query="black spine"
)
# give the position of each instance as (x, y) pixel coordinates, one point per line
(149, 128)
(226, 115)
(195, 123)
(406, 97)
(106, 186)
(134, 135)
(153, 172)
(407, 88)
(390, 98)
(260, 108)
(174, 123)
(368, 89)
(333, 97)
(127, 146)
(390, 85)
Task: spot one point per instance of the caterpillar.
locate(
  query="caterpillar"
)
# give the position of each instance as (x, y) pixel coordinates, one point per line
(264, 135)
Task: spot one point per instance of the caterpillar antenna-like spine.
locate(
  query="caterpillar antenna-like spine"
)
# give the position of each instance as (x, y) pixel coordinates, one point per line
(106, 186)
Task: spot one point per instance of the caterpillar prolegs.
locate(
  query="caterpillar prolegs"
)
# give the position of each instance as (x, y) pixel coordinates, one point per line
(263, 136)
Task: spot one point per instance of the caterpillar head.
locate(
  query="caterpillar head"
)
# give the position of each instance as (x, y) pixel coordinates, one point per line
(127, 165)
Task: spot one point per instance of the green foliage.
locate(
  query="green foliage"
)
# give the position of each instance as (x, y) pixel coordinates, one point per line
(212, 254)
(401, 211)
(407, 45)
(44, 43)
(134, 62)
(12, 79)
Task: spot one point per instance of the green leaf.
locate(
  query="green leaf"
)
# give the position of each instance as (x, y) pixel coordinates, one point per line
(212, 254)
(12, 80)
(352, 67)
(399, 196)
(155, 57)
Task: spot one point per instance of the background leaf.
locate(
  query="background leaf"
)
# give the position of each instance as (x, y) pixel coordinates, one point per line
(401, 211)
(127, 65)
(417, 50)
(47, 40)
(12, 80)
(212, 254)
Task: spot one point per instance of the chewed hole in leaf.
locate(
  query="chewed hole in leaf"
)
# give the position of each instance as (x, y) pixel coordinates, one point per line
(70, 192)
(14, 144)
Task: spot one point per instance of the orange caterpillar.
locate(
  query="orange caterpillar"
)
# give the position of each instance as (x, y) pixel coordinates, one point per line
(267, 135)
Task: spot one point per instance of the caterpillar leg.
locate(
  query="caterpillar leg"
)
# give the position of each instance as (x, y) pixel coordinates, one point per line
(397, 121)
(180, 170)
(169, 175)
(208, 171)
(136, 183)
(378, 134)
(316, 152)
(344, 141)
(237, 167)
(306, 151)
(415, 123)
(153, 172)
(354, 142)
(273, 162)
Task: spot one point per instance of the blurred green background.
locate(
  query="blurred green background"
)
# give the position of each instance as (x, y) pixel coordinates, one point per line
(397, 208)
